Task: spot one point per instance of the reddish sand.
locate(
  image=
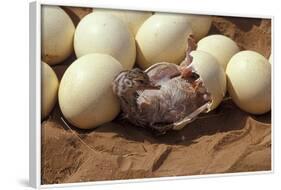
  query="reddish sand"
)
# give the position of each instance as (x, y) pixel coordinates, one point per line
(224, 141)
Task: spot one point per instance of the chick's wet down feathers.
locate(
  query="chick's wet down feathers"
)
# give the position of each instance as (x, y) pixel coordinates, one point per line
(162, 97)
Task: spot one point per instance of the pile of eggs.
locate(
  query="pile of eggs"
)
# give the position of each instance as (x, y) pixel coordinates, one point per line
(106, 42)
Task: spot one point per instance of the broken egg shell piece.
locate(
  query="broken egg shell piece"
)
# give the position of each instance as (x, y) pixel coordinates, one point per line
(191, 117)
(168, 70)
(212, 75)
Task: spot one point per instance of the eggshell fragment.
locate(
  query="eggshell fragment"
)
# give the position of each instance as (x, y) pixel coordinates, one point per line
(105, 33)
(249, 82)
(133, 19)
(212, 74)
(86, 98)
(49, 89)
(57, 35)
(219, 46)
(162, 37)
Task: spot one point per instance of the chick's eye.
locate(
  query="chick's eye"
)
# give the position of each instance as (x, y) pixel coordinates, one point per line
(128, 82)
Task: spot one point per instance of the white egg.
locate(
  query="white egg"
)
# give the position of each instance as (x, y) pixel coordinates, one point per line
(86, 98)
(133, 19)
(104, 33)
(162, 37)
(249, 82)
(220, 46)
(212, 74)
(200, 25)
(49, 89)
(57, 35)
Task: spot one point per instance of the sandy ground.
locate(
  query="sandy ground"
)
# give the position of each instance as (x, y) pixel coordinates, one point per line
(225, 141)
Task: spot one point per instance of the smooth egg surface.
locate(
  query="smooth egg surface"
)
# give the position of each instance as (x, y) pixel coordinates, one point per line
(162, 38)
(249, 82)
(86, 98)
(219, 46)
(57, 35)
(106, 34)
(212, 74)
(49, 89)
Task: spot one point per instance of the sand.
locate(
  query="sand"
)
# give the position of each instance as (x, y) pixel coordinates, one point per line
(225, 141)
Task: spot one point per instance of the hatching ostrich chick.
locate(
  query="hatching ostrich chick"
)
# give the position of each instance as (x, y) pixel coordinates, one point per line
(162, 97)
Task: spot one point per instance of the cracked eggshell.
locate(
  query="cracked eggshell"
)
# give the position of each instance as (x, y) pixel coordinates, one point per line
(249, 82)
(86, 98)
(49, 89)
(105, 33)
(219, 46)
(212, 74)
(57, 35)
(162, 37)
(200, 25)
(133, 19)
